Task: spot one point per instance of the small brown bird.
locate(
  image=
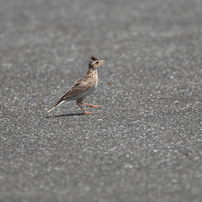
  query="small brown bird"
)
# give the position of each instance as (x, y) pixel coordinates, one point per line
(83, 87)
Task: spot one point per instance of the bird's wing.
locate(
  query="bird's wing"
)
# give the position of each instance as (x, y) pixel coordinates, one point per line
(80, 86)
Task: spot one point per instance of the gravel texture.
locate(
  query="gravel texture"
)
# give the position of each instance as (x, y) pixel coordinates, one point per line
(144, 144)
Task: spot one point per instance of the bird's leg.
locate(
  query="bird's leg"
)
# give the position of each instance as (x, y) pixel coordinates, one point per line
(84, 110)
(95, 106)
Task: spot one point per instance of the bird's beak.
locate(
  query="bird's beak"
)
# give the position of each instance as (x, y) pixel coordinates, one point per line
(102, 62)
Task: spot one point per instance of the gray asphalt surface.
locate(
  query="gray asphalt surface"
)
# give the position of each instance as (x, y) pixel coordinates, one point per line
(144, 144)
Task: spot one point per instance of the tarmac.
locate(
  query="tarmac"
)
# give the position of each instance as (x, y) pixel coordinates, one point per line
(144, 144)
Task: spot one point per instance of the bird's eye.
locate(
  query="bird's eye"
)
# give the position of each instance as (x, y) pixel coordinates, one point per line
(97, 62)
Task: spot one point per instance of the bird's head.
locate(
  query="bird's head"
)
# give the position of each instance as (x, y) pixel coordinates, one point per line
(95, 63)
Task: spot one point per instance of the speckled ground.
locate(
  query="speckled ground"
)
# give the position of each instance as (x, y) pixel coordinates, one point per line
(144, 144)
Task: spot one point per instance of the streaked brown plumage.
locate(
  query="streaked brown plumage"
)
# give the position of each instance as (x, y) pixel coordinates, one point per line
(83, 87)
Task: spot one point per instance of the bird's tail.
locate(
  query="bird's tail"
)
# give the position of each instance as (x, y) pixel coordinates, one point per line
(60, 101)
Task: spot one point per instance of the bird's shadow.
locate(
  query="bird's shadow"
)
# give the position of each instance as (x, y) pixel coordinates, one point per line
(61, 115)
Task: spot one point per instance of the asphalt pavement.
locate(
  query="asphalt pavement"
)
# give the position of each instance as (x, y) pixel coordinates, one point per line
(144, 144)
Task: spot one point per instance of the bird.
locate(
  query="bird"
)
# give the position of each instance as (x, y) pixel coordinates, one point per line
(83, 87)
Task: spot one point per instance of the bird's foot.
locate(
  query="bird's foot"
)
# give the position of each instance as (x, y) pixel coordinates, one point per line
(95, 106)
